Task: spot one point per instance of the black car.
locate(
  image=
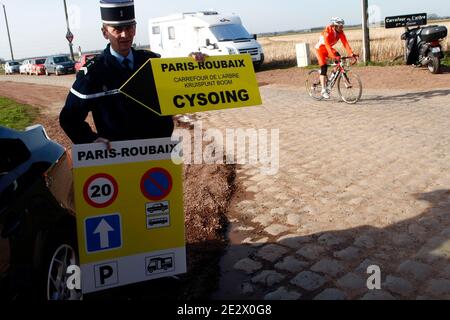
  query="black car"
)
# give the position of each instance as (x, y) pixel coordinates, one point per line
(36, 217)
(59, 65)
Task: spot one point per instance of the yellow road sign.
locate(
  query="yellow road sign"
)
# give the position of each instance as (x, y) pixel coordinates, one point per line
(186, 86)
(130, 217)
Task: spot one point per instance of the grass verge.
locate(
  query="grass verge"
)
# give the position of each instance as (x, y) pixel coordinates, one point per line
(15, 115)
(446, 60)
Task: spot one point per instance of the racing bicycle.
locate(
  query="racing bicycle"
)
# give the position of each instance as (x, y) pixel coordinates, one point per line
(349, 84)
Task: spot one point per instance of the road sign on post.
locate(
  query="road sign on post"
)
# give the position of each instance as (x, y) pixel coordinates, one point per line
(69, 36)
(130, 215)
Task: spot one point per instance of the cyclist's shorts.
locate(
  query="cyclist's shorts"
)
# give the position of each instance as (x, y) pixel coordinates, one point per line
(322, 55)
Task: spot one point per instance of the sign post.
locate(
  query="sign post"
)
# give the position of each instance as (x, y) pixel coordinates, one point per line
(69, 35)
(130, 216)
(366, 35)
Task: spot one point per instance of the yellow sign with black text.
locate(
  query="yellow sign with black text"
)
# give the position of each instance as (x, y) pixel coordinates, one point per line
(187, 86)
(130, 217)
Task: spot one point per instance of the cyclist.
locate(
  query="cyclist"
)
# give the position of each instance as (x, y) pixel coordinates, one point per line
(324, 49)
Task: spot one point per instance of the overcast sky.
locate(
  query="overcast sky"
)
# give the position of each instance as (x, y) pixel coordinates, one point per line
(38, 28)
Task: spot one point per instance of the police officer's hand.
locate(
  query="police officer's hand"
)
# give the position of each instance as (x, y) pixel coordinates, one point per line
(104, 141)
(198, 56)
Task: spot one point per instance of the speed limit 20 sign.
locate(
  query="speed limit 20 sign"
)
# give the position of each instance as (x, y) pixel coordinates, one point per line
(100, 190)
(125, 198)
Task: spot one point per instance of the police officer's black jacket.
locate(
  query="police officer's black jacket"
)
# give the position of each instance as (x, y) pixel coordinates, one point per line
(116, 116)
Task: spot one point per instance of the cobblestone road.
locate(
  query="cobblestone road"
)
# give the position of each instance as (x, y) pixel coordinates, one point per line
(357, 186)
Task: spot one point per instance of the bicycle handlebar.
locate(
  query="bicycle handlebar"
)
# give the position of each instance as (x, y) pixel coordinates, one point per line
(356, 56)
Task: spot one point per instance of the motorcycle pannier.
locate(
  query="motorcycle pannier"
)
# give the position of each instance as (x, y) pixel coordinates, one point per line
(433, 33)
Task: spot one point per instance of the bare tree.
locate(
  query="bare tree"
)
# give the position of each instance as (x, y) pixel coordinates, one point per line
(433, 16)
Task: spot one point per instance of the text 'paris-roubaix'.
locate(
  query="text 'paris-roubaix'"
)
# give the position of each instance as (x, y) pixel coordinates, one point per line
(207, 65)
(125, 152)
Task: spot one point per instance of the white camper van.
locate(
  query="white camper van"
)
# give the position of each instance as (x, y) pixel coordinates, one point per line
(205, 31)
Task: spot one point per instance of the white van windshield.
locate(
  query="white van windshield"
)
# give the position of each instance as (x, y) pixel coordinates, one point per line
(229, 32)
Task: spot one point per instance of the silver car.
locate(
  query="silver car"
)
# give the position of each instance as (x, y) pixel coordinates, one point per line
(12, 67)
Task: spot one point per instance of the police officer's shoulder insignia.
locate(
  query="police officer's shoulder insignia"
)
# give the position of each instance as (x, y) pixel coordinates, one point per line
(154, 55)
(149, 54)
(89, 66)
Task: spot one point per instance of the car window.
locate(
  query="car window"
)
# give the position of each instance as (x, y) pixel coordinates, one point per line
(14, 63)
(40, 61)
(60, 59)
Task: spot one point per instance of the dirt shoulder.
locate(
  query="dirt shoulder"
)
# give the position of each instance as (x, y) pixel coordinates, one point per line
(394, 77)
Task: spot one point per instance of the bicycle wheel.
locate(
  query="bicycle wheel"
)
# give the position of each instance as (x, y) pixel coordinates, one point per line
(313, 86)
(349, 87)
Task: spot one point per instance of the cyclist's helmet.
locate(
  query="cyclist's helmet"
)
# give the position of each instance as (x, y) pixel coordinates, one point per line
(336, 21)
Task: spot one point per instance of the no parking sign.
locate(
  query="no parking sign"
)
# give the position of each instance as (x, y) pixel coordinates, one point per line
(130, 217)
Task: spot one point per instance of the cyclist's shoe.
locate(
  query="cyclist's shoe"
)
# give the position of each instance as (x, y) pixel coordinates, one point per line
(325, 94)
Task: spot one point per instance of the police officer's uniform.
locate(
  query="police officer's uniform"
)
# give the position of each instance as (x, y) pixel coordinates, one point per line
(116, 116)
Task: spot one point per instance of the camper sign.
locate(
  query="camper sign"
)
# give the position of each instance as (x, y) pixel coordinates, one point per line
(183, 85)
(409, 20)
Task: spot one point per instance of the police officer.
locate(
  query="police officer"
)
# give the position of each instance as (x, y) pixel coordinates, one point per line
(95, 90)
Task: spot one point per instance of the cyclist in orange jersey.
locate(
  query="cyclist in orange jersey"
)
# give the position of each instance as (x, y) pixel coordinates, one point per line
(324, 49)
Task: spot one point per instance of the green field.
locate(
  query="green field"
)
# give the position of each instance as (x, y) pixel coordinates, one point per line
(15, 115)
(446, 60)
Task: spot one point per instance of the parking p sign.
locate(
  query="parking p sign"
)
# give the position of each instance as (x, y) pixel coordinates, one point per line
(130, 217)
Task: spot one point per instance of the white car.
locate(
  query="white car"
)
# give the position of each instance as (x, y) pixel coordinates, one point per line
(25, 68)
(12, 67)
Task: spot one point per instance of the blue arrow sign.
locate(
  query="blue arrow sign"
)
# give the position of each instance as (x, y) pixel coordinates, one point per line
(103, 233)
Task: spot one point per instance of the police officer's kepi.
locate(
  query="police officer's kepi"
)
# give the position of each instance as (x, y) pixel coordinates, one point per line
(117, 12)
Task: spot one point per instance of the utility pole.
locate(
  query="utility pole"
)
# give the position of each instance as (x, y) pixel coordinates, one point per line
(69, 35)
(366, 36)
(7, 29)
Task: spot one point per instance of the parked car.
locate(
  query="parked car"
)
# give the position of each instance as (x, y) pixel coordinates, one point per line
(12, 67)
(25, 68)
(84, 59)
(59, 65)
(37, 66)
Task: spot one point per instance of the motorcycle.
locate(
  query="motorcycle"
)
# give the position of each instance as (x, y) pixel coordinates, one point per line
(423, 46)
(36, 215)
